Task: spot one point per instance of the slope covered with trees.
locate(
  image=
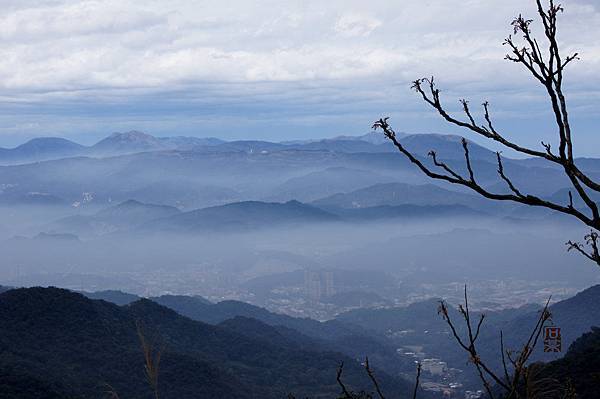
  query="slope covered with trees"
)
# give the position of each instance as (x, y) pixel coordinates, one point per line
(56, 343)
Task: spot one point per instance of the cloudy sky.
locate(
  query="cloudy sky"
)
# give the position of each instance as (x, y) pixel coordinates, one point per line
(275, 70)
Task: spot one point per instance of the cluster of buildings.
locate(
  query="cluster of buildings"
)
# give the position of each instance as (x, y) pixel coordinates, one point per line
(318, 284)
(437, 376)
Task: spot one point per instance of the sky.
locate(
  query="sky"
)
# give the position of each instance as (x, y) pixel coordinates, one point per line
(278, 70)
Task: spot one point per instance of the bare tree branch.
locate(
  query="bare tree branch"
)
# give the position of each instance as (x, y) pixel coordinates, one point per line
(338, 378)
(509, 384)
(591, 240)
(373, 379)
(455, 178)
(417, 381)
(547, 67)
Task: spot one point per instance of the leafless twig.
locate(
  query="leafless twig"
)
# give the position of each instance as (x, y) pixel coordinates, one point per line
(152, 356)
(509, 384)
(417, 381)
(547, 68)
(373, 379)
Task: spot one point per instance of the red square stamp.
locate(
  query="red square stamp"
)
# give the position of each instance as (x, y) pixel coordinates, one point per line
(552, 339)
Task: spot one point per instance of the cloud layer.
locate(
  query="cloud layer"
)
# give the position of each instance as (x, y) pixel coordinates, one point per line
(269, 68)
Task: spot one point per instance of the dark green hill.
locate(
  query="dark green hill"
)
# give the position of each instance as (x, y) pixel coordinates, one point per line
(576, 316)
(352, 340)
(56, 343)
(580, 366)
(419, 324)
(114, 296)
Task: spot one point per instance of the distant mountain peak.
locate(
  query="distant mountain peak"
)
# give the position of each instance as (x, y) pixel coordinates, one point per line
(132, 135)
(132, 141)
(49, 143)
(136, 209)
(133, 205)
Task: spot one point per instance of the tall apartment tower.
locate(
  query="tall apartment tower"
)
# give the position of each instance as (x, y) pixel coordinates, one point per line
(318, 284)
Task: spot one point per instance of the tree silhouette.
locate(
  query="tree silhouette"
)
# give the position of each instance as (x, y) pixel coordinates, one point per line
(546, 67)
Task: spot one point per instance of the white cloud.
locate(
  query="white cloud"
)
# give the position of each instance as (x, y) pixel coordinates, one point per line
(352, 25)
(118, 43)
(39, 24)
(56, 50)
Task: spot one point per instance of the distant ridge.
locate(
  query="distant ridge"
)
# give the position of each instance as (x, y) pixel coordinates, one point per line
(133, 141)
(121, 143)
(51, 148)
(42, 148)
(394, 194)
(123, 216)
(240, 216)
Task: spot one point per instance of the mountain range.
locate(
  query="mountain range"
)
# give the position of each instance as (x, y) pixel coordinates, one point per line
(394, 194)
(233, 325)
(58, 344)
(333, 335)
(191, 173)
(48, 148)
(241, 216)
(134, 216)
(421, 325)
(121, 217)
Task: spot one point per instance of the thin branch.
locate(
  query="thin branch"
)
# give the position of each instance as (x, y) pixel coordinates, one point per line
(508, 383)
(502, 351)
(338, 378)
(455, 178)
(443, 165)
(417, 381)
(468, 160)
(373, 379)
(506, 179)
(592, 241)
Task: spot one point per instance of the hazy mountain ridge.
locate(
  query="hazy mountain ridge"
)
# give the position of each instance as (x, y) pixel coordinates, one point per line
(333, 180)
(575, 315)
(241, 216)
(51, 148)
(220, 173)
(48, 148)
(393, 194)
(120, 217)
(40, 149)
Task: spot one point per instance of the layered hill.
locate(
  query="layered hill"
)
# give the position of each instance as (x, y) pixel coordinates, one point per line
(579, 369)
(41, 149)
(135, 165)
(241, 216)
(56, 343)
(394, 194)
(420, 324)
(46, 148)
(331, 335)
(123, 216)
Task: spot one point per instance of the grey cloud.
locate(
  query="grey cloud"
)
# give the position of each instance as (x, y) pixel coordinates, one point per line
(267, 64)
